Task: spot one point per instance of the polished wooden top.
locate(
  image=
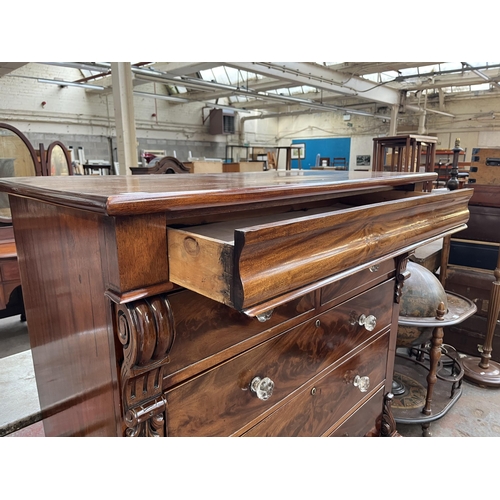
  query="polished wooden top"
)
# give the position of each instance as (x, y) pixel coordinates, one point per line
(128, 195)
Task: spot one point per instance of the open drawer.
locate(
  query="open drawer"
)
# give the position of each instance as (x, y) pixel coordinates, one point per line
(247, 263)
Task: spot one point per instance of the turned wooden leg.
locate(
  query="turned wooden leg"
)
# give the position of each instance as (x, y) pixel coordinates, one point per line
(435, 356)
(445, 255)
(425, 429)
(486, 372)
(493, 310)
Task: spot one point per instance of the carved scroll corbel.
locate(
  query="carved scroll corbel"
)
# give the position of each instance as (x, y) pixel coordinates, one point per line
(388, 427)
(402, 274)
(146, 331)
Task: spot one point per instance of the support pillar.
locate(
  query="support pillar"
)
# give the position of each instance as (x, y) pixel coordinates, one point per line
(393, 127)
(123, 99)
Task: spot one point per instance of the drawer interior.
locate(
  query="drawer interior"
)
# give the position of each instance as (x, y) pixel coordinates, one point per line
(224, 232)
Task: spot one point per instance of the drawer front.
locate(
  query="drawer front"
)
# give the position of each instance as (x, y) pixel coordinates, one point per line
(319, 407)
(208, 332)
(365, 419)
(220, 402)
(351, 286)
(261, 262)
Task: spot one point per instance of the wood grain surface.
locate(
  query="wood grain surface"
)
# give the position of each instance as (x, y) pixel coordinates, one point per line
(220, 402)
(120, 349)
(127, 195)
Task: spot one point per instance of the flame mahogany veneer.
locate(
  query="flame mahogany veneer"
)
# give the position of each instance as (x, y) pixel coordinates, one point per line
(154, 302)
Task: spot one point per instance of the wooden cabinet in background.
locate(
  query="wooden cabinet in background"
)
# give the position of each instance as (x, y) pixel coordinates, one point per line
(243, 166)
(472, 261)
(485, 167)
(204, 167)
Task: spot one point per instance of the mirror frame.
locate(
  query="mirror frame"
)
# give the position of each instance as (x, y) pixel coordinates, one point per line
(36, 163)
(47, 157)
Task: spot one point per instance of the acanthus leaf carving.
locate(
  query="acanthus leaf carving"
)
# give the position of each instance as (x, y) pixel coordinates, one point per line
(388, 425)
(402, 274)
(146, 331)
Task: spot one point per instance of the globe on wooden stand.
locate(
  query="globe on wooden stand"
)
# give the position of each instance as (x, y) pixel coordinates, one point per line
(425, 309)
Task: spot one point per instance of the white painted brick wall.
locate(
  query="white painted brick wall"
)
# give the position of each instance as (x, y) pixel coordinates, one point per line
(72, 110)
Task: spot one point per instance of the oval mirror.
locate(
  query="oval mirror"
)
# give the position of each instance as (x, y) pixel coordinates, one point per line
(58, 160)
(17, 159)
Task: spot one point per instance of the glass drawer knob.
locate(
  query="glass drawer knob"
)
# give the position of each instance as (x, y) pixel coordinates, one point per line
(265, 316)
(369, 322)
(262, 387)
(362, 383)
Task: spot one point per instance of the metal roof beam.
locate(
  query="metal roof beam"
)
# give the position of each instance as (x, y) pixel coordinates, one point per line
(185, 68)
(323, 78)
(8, 67)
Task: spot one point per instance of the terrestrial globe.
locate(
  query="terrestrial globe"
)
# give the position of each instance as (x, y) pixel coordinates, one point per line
(422, 292)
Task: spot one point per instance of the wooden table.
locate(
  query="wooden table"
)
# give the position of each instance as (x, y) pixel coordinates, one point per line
(240, 304)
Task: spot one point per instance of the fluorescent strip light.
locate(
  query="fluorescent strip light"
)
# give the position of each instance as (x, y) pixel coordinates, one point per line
(160, 96)
(62, 83)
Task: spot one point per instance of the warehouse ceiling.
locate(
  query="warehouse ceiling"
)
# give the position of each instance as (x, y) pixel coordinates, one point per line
(366, 88)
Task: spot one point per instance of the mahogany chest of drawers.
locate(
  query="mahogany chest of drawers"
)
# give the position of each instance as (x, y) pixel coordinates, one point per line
(238, 304)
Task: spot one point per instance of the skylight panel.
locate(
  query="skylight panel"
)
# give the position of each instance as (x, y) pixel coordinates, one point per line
(480, 86)
(374, 77)
(450, 66)
(389, 75)
(460, 88)
(181, 89)
(221, 76)
(238, 98)
(386, 76)
(207, 74)
(408, 71)
(303, 89)
(422, 70)
(478, 64)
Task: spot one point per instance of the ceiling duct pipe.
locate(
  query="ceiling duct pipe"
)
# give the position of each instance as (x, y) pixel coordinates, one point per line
(418, 109)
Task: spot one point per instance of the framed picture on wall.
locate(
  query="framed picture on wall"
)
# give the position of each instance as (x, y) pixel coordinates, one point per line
(363, 160)
(298, 151)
